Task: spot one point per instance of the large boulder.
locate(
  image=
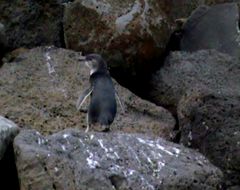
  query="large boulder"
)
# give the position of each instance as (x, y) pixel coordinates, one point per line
(40, 89)
(72, 159)
(210, 122)
(131, 33)
(183, 71)
(204, 89)
(32, 23)
(213, 27)
(8, 130)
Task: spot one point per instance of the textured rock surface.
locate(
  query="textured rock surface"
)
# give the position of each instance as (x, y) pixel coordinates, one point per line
(204, 87)
(3, 42)
(32, 23)
(213, 2)
(210, 122)
(234, 188)
(2, 37)
(41, 89)
(213, 27)
(203, 69)
(8, 130)
(111, 26)
(75, 160)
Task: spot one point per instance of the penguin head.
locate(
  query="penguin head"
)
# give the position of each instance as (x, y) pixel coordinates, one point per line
(95, 63)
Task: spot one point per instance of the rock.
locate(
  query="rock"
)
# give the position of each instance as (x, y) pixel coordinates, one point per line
(110, 26)
(234, 188)
(2, 37)
(32, 23)
(76, 160)
(8, 130)
(41, 88)
(204, 89)
(210, 123)
(183, 71)
(213, 27)
(13, 55)
(3, 42)
(213, 2)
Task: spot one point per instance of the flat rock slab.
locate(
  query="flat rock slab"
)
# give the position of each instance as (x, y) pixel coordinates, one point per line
(72, 159)
(40, 89)
(8, 130)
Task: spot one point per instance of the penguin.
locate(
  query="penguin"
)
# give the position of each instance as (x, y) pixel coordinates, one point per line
(103, 107)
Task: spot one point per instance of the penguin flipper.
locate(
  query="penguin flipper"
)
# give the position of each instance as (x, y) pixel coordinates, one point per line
(83, 98)
(120, 103)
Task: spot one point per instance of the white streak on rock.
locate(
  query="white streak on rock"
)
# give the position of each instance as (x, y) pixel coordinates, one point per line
(40, 141)
(109, 152)
(49, 66)
(129, 172)
(91, 137)
(37, 133)
(147, 142)
(91, 162)
(56, 169)
(238, 33)
(177, 150)
(154, 145)
(116, 168)
(102, 7)
(148, 159)
(160, 165)
(66, 136)
(122, 21)
(190, 135)
(116, 154)
(81, 142)
(163, 149)
(63, 148)
(102, 146)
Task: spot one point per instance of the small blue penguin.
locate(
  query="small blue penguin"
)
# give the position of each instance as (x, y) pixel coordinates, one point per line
(103, 107)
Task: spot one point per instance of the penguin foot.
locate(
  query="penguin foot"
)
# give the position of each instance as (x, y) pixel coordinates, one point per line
(104, 128)
(83, 110)
(107, 129)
